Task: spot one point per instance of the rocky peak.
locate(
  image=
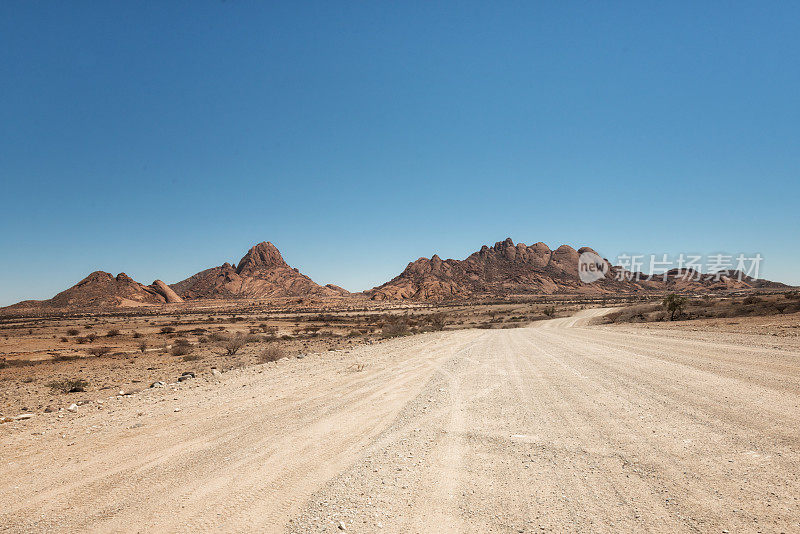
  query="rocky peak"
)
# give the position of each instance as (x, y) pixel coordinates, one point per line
(262, 257)
(125, 279)
(97, 276)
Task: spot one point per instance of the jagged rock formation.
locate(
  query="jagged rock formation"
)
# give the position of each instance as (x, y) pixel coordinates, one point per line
(261, 273)
(507, 268)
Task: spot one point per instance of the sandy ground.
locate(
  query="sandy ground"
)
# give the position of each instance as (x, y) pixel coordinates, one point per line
(558, 427)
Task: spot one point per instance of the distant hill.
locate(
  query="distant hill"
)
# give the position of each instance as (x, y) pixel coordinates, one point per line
(506, 268)
(261, 273)
(103, 290)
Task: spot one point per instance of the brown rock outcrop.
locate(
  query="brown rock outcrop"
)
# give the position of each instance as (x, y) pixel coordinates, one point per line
(261, 273)
(103, 290)
(165, 291)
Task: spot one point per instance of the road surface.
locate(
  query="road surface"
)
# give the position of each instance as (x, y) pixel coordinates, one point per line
(557, 427)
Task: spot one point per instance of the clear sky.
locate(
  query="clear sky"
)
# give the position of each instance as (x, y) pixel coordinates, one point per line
(162, 138)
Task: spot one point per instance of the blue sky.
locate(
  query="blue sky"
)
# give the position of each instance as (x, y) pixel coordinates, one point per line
(161, 138)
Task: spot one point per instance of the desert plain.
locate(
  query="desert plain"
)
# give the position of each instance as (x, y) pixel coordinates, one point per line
(481, 395)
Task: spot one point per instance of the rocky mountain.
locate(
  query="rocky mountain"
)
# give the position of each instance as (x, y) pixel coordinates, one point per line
(104, 290)
(506, 268)
(261, 273)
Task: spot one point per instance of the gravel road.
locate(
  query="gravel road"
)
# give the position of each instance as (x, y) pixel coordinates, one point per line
(557, 427)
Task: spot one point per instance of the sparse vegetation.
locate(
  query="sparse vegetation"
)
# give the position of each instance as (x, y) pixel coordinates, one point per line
(112, 333)
(73, 332)
(68, 385)
(705, 307)
(167, 329)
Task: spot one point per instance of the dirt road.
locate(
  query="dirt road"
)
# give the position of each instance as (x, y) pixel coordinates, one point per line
(557, 427)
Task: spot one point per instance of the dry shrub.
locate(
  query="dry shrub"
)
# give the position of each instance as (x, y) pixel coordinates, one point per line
(438, 320)
(112, 333)
(395, 326)
(232, 344)
(99, 351)
(143, 346)
(180, 350)
(68, 385)
(167, 329)
(272, 353)
(73, 332)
